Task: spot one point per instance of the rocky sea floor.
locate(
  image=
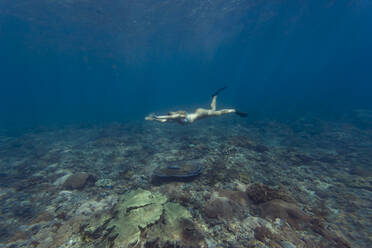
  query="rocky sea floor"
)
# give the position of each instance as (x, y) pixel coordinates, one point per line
(307, 183)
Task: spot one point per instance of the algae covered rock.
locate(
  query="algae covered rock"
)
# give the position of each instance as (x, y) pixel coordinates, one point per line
(174, 212)
(137, 219)
(177, 230)
(136, 209)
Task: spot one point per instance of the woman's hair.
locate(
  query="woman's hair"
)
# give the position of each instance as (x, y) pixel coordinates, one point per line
(179, 112)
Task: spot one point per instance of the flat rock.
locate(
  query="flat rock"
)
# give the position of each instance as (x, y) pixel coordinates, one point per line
(178, 170)
(78, 181)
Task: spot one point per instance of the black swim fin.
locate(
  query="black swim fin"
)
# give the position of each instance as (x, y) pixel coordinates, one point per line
(241, 114)
(219, 90)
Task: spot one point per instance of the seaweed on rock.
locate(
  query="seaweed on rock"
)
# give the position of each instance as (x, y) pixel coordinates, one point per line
(143, 217)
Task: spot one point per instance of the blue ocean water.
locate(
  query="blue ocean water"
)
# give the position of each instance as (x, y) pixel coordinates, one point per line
(81, 167)
(88, 61)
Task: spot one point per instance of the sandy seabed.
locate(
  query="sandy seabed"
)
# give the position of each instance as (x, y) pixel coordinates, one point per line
(307, 183)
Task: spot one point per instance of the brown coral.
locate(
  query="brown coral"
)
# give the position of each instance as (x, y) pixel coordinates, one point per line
(261, 193)
(219, 207)
(190, 233)
(286, 211)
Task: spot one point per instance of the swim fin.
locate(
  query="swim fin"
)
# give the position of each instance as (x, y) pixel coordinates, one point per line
(241, 114)
(219, 90)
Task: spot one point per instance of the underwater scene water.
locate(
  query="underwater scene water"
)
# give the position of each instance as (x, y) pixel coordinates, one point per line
(186, 123)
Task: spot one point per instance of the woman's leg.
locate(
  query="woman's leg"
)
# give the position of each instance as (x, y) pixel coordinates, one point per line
(214, 98)
(224, 111)
(213, 103)
(229, 111)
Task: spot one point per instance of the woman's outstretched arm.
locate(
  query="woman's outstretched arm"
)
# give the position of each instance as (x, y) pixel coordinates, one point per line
(153, 117)
(162, 118)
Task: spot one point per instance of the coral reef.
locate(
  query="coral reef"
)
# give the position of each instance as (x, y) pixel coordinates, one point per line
(305, 183)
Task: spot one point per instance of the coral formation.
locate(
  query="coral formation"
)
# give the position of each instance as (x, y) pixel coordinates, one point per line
(136, 210)
(190, 233)
(226, 204)
(139, 213)
(286, 211)
(219, 207)
(260, 193)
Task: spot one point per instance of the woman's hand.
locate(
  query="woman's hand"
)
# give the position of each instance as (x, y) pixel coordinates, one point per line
(150, 117)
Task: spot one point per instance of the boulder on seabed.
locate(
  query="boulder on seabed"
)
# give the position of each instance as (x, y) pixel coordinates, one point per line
(79, 181)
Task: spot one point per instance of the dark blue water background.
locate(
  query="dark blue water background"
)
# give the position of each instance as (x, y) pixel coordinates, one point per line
(102, 61)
